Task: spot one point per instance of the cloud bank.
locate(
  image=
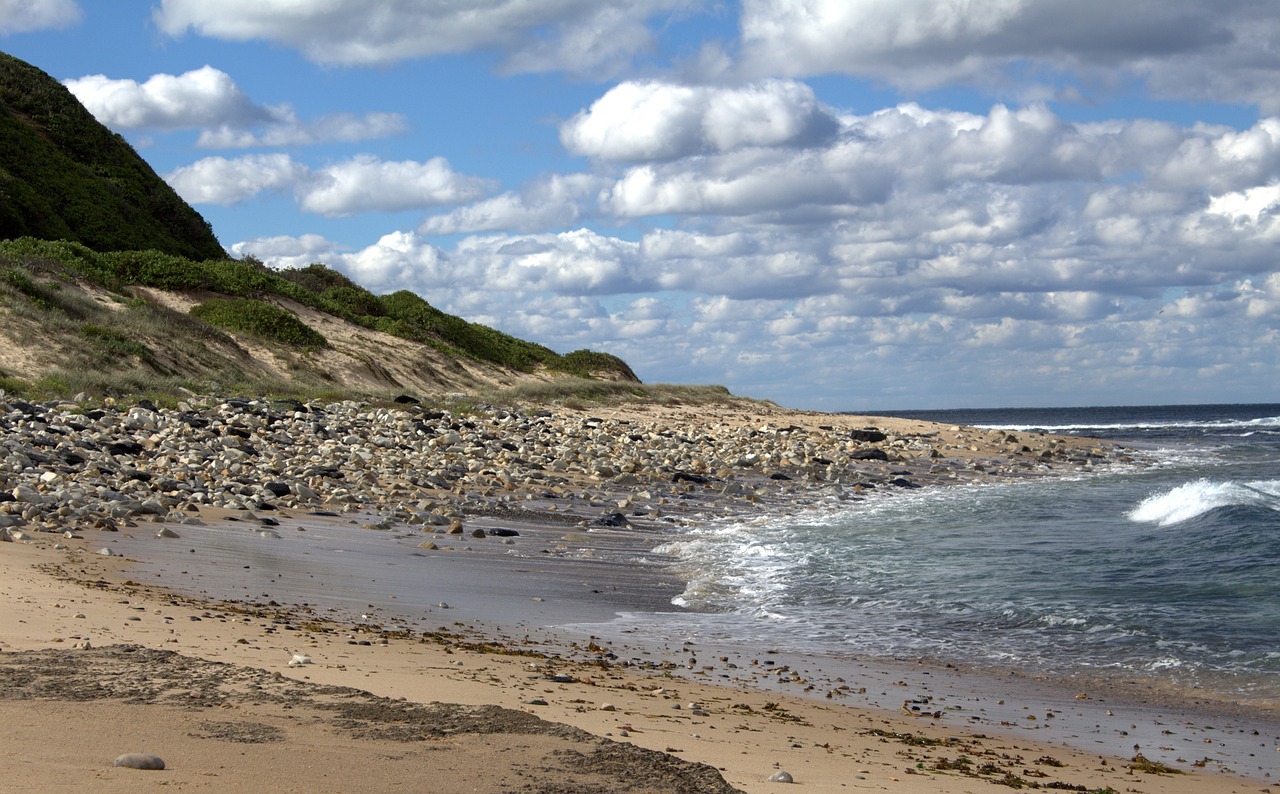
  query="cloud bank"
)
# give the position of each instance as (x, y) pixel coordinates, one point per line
(579, 36)
(24, 16)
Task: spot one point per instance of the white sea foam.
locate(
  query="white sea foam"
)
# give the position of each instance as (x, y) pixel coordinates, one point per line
(1218, 425)
(1193, 499)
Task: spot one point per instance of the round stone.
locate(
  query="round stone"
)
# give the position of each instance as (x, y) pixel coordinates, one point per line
(139, 761)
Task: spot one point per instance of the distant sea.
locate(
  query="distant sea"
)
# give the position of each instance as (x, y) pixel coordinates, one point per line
(1169, 572)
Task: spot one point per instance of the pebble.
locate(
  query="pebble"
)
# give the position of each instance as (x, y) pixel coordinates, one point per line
(103, 467)
(139, 761)
(781, 776)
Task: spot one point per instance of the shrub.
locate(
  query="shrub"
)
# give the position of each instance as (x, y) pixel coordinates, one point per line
(354, 301)
(260, 319)
(588, 362)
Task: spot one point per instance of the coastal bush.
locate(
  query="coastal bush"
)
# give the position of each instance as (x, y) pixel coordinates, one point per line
(587, 363)
(260, 319)
(472, 339)
(316, 278)
(356, 301)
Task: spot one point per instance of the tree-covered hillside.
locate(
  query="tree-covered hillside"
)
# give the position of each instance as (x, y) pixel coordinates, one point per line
(64, 176)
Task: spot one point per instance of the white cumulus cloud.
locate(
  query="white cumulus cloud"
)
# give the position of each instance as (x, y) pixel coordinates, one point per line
(209, 99)
(547, 202)
(340, 127)
(361, 184)
(199, 98)
(22, 16)
(222, 181)
(367, 184)
(637, 121)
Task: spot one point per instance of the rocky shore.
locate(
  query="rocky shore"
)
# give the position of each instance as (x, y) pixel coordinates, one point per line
(545, 494)
(74, 466)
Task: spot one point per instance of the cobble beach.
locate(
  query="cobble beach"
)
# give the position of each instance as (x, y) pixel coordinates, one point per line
(435, 553)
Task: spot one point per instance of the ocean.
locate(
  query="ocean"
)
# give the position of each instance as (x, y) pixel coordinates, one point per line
(1167, 573)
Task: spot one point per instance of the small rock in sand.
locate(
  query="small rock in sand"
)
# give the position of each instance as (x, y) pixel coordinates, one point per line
(139, 761)
(781, 776)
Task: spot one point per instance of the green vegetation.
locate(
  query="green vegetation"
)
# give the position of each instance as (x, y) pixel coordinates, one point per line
(37, 283)
(408, 311)
(401, 314)
(581, 393)
(64, 176)
(117, 344)
(588, 362)
(261, 319)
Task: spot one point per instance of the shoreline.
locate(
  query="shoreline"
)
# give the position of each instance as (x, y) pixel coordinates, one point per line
(647, 505)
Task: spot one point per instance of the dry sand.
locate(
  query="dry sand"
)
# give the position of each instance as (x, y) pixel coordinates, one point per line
(94, 665)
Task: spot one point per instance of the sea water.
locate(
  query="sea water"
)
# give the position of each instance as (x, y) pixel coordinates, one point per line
(1168, 572)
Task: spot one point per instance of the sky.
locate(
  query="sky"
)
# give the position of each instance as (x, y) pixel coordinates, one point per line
(831, 204)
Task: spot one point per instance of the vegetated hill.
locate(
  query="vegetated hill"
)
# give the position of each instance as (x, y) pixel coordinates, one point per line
(111, 283)
(64, 176)
(135, 322)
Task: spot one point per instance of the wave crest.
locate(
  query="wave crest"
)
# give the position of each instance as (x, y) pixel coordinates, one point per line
(1194, 499)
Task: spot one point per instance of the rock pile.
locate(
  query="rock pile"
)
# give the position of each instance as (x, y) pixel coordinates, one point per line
(67, 466)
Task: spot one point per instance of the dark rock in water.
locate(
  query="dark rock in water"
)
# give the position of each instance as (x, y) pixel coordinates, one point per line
(277, 488)
(869, 454)
(612, 520)
(903, 482)
(140, 761)
(404, 399)
(268, 522)
(477, 533)
(696, 479)
(869, 436)
(777, 475)
(502, 532)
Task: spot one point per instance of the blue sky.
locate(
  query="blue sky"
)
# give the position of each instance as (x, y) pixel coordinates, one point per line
(835, 205)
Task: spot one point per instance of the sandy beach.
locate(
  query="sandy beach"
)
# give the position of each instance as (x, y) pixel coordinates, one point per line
(269, 674)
